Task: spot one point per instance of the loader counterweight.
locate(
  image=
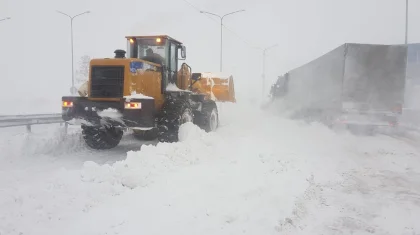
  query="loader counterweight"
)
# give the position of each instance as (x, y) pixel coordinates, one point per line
(97, 113)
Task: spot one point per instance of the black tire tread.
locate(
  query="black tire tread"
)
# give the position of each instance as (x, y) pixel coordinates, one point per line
(169, 119)
(203, 117)
(101, 138)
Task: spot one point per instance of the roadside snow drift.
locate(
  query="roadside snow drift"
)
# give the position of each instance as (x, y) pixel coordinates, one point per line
(258, 174)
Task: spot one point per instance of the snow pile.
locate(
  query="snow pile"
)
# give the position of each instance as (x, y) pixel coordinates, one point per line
(141, 167)
(33, 206)
(110, 113)
(190, 132)
(135, 95)
(174, 87)
(40, 184)
(277, 177)
(47, 140)
(258, 174)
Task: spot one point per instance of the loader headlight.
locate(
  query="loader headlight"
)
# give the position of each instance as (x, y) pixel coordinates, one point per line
(132, 105)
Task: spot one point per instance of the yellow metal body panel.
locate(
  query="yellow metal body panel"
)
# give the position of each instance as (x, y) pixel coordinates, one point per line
(146, 82)
(149, 82)
(219, 89)
(184, 78)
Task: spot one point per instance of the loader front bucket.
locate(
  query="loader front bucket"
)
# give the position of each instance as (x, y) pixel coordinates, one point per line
(220, 89)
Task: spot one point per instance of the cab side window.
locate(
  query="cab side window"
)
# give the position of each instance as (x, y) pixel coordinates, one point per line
(172, 58)
(172, 68)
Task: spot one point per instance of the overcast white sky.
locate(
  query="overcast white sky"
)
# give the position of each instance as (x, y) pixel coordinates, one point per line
(35, 58)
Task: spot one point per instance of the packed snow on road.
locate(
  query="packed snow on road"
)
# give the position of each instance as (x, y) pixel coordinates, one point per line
(259, 173)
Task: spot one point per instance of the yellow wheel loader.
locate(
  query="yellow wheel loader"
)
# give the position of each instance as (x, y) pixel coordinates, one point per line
(145, 92)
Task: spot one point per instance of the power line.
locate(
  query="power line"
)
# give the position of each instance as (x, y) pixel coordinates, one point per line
(230, 30)
(243, 40)
(198, 9)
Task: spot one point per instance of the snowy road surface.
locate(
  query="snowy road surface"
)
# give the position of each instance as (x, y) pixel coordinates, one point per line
(258, 174)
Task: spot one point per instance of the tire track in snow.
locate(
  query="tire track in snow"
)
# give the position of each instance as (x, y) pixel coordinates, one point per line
(301, 211)
(382, 199)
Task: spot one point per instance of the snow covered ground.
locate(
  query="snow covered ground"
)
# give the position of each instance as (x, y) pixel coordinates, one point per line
(258, 174)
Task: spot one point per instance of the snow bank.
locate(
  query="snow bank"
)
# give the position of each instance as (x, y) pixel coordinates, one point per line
(174, 87)
(40, 184)
(134, 95)
(17, 146)
(139, 167)
(190, 132)
(260, 173)
(111, 113)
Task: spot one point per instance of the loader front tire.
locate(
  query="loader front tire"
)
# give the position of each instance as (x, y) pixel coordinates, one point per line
(174, 113)
(208, 118)
(101, 137)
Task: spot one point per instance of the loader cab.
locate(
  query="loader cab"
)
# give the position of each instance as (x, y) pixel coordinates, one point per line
(162, 50)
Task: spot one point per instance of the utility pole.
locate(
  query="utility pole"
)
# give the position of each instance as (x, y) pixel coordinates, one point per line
(221, 33)
(406, 22)
(72, 89)
(263, 74)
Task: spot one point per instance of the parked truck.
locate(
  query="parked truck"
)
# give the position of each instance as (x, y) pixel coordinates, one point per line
(411, 108)
(354, 85)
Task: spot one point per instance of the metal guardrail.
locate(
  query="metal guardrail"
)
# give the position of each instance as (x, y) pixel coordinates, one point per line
(410, 120)
(29, 120)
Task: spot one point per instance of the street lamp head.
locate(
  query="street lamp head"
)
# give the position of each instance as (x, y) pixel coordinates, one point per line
(272, 46)
(72, 17)
(3, 19)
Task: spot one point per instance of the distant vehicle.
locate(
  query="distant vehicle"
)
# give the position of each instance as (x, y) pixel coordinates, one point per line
(412, 90)
(352, 86)
(411, 108)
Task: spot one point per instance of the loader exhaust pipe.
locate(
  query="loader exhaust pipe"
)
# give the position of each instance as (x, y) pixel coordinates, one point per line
(119, 53)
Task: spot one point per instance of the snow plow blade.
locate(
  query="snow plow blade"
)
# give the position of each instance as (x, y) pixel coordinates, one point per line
(219, 87)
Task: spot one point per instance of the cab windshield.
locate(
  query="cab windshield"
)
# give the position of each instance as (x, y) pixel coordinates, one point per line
(153, 50)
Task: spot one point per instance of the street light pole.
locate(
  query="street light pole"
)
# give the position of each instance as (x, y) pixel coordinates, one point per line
(72, 90)
(221, 32)
(406, 21)
(263, 74)
(7, 18)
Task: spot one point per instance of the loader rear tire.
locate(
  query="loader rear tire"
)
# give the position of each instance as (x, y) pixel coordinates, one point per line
(208, 118)
(174, 113)
(101, 137)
